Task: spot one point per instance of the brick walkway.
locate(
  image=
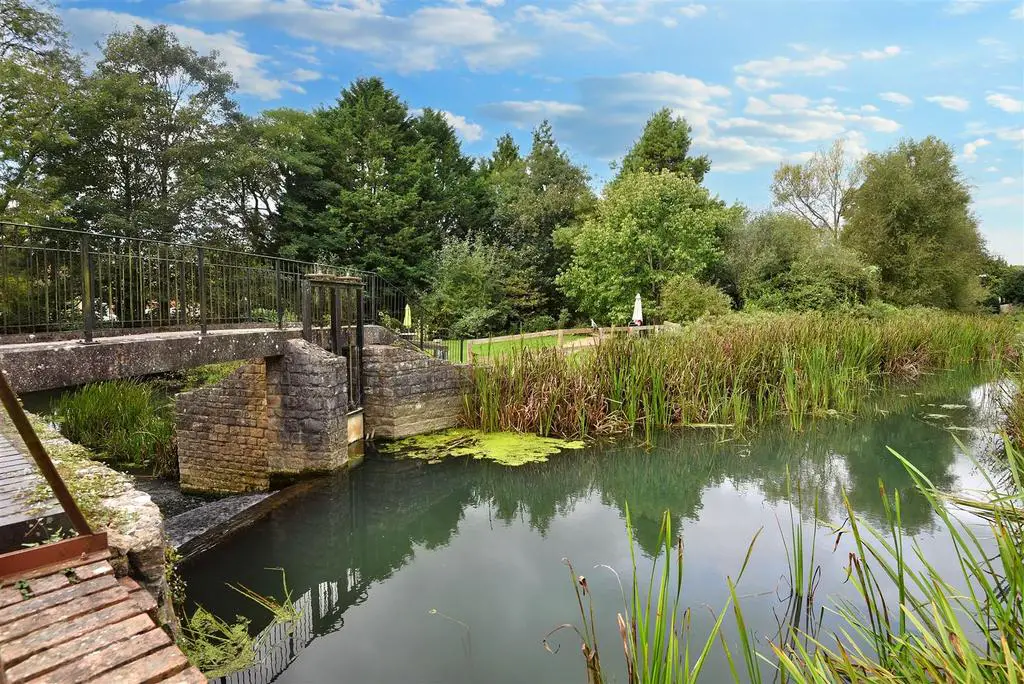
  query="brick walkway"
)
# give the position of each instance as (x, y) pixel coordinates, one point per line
(78, 623)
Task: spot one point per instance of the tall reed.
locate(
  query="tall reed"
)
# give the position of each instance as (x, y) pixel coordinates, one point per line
(731, 371)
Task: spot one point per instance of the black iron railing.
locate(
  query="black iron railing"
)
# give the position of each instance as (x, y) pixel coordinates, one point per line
(57, 280)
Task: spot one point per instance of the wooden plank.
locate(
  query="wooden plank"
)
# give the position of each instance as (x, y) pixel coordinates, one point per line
(18, 563)
(60, 566)
(63, 654)
(17, 650)
(189, 676)
(154, 667)
(69, 593)
(10, 594)
(83, 606)
(122, 654)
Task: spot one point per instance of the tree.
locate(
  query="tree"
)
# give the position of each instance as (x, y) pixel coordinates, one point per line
(684, 298)
(911, 217)
(647, 228)
(818, 190)
(467, 287)
(37, 76)
(150, 129)
(664, 146)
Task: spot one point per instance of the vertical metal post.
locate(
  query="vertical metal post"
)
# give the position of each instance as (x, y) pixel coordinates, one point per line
(421, 330)
(335, 319)
(359, 339)
(202, 291)
(88, 314)
(373, 300)
(182, 291)
(277, 293)
(307, 310)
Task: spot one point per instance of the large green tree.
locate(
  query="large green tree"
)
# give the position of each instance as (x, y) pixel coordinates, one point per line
(150, 126)
(664, 145)
(38, 73)
(648, 228)
(911, 217)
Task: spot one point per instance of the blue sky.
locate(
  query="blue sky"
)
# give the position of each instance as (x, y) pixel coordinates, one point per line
(761, 82)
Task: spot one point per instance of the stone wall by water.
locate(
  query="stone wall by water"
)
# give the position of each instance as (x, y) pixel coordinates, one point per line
(284, 415)
(408, 393)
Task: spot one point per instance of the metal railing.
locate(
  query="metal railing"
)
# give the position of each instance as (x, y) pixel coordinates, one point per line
(58, 281)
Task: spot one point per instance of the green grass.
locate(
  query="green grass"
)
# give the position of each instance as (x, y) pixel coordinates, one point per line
(733, 371)
(968, 627)
(485, 351)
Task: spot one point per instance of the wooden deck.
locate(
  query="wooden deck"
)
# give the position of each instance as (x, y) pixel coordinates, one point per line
(20, 521)
(75, 622)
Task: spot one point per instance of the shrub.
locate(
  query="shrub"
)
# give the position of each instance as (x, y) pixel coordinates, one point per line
(123, 421)
(540, 323)
(684, 298)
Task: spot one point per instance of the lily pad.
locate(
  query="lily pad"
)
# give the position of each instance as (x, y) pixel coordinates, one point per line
(506, 448)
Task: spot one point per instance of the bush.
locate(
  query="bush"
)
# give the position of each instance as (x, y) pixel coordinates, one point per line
(477, 322)
(123, 421)
(684, 298)
(540, 324)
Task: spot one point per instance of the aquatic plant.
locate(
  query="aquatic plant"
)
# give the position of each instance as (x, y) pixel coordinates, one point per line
(730, 372)
(505, 448)
(123, 421)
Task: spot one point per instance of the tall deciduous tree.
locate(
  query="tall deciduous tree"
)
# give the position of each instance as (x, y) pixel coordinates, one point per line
(150, 127)
(911, 217)
(819, 190)
(37, 75)
(648, 228)
(665, 146)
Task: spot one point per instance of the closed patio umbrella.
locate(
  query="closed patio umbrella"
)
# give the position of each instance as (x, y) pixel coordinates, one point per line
(638, 311)
(407, 320)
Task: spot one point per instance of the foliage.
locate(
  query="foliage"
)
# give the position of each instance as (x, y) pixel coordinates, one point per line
(781, 262)
(911, 217)
(664, 145)
(728, 372)
(210, 374)
(122, 420)
(648, 228)
(684, 298)
(1011, 288)
(819, 190)
(504, 448)
(468, 289)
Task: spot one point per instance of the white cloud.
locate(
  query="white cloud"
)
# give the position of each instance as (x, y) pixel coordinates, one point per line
(561, 21)
(757, 106)
(957, 104)
(1017, 12)
(470, 132)
(804, 131)
(868, 108)
(692, 11)
(302, 75)
(818, 65)
(1011, 134)
(421, 40)
(736, 155)
(958, 7)
(884, 53)
(755, 84)
(970, 153)
(788, 101)
(1005, 102)
(992, 169)
(524, 113)
(1008, 180)
(89, 26)
(896, 98)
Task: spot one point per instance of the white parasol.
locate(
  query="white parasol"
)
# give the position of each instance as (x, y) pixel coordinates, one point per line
(638, 311)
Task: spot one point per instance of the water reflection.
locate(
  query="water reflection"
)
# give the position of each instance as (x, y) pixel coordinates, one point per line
(395, 538)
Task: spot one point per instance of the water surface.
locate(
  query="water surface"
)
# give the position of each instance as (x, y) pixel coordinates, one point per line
(453, 572)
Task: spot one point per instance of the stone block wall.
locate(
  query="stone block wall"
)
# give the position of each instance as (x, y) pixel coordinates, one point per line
(307, 410)
(222, 433)
(408, 393)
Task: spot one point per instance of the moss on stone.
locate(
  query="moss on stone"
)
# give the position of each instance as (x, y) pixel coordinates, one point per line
(505, 448)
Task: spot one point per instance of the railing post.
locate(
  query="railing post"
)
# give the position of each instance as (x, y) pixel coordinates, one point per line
(88, 314)
(359, 338)
(277, 293)
(202, 291)
(182, 291)
(335, 319)
(307, 310)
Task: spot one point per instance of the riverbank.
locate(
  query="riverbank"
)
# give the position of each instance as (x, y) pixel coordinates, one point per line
(733, 371)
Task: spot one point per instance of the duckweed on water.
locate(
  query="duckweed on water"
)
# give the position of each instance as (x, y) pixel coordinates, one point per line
(505, 448)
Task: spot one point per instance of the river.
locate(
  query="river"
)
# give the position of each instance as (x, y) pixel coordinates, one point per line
(453, 572)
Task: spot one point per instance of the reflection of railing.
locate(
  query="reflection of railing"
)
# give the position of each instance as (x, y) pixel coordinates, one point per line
(280, 643)
(55, 280)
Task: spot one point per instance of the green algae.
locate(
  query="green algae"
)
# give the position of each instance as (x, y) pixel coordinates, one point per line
(505, 448)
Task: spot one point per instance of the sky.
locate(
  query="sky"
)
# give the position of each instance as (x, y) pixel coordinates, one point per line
(760, 81)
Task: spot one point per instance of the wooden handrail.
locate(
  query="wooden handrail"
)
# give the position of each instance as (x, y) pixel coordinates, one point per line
(42, 459)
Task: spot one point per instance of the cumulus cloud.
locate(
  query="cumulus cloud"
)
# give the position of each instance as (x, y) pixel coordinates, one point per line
(960, 7)
(755, 84)
(957, 104)
(789, 101)
(469, 131)
(526, 113)
(90, 26)
(302, 75)
(776, 67)
(884, 53)
(970, 152)
(896, 98)
(692, 11)
(868, 108)
(421, 40)
(1017, 12)
(1005, 102)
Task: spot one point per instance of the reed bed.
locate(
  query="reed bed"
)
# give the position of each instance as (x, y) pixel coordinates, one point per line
(730, 372)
